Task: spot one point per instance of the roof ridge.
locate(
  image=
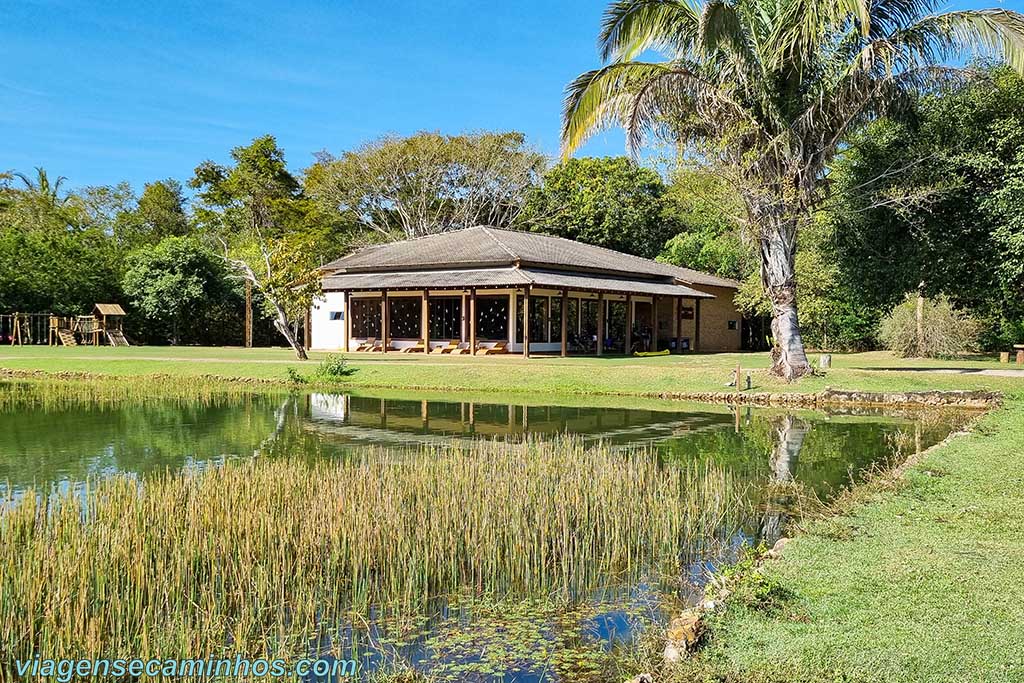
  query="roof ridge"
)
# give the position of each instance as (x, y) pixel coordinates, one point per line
(487, 231)
(577, 242)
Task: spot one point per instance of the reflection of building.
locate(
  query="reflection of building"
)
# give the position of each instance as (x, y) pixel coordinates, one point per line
(483, 286)
(392, 420)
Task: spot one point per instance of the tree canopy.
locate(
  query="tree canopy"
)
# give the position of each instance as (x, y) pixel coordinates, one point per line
(400, 187)
(612, 202)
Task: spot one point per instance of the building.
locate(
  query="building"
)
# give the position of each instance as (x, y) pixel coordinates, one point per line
(488, 288)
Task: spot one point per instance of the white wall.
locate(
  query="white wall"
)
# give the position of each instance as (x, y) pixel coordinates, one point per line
(328, 335)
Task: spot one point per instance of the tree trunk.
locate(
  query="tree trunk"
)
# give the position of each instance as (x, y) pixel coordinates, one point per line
(284, 327)
(778, 265)
(919, 316)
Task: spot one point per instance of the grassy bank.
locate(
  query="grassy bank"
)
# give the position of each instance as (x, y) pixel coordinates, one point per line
(921, 580)
(512, 374)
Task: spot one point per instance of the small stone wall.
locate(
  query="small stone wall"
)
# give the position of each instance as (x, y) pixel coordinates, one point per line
(839, 397)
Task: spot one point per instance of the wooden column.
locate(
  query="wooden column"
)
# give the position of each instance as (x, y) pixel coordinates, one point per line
(654, 323)
(463, 318)
(384, 331)
(629, 324)
(472, 322)
(695, 344)
(565, 326)
(513, 319)
(600, 323)
(425, 320)
(307, 325)
(348, 321)
(248, 314)
(677, 313)
(526, 324)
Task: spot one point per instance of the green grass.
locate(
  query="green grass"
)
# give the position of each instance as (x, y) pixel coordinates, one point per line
(920, 581)
(510, 374)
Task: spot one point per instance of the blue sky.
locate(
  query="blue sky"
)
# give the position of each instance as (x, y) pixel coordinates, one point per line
(104, 91)
(107, 91)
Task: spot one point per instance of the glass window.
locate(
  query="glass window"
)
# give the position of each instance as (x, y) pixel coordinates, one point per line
(555, 316)
(538, 318)
(589, 322)
(615, 330)
(404, 318)
(492, 318)
(365, 318)
(337, 315)
(446, 318)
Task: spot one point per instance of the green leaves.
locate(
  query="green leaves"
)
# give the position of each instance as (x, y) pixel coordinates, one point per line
(611, 202)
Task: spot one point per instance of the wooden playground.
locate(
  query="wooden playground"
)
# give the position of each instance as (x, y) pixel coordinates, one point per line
(104, 326)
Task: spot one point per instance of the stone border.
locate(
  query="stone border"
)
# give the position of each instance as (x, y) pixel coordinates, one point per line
(830, 397)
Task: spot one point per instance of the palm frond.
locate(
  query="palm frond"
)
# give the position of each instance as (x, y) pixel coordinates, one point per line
(675, 95)
(602, 97)
(631, 26)
(720, 28)
(988, 32)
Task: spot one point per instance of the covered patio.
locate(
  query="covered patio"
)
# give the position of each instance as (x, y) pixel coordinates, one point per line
(473, 292)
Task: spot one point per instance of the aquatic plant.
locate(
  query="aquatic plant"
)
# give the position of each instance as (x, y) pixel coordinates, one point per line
(256, 558)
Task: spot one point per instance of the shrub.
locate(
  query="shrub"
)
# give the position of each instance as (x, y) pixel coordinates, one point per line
(945, 331)
(334, 367)
(294, 376)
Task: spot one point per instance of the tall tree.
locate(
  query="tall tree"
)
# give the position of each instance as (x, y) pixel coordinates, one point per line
(173, 282)
(400, 187)
(943, 195)
(702, 212)
(612, 202)
(768, 89)
(159, 213)
(267, 228)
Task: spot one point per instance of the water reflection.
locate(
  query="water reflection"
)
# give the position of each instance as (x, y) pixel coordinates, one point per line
(53, 449)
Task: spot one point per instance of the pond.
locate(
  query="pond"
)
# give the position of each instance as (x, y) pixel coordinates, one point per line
(775, 458)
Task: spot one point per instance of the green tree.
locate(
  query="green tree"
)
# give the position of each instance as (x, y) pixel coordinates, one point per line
(942, 196)
(270, 234)
(399, 187)
(612, 202)
(160, 212)
(768, 90)
(173, 282)
(55, 254)
(703, 211)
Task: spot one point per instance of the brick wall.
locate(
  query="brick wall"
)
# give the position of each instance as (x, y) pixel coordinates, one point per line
(715, 315)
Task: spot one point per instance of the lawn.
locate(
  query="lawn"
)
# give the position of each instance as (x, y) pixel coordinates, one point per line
(584, 375)
(925, 583)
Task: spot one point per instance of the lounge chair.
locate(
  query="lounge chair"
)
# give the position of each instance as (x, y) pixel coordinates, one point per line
(378, 345)
(367, 345)
(420, 347)
(461, 349)
(450, 347)
(499, 348)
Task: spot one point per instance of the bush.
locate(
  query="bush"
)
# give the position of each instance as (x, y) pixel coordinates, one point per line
(334, 367)
(945, 331)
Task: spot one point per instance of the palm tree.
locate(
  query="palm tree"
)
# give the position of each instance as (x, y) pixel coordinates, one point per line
(46, 192)
(766, 90)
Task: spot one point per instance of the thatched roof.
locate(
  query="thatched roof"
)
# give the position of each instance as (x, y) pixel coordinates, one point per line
(487, 247)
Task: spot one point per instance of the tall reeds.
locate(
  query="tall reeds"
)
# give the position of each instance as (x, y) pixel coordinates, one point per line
(255, 557)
